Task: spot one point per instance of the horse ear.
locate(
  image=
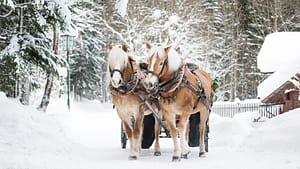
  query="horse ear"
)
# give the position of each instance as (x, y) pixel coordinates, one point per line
(109, 46)
(148, 45)
(167, 49)
(125, 47)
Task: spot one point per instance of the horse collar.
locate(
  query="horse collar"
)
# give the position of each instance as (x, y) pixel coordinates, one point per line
(170, 87)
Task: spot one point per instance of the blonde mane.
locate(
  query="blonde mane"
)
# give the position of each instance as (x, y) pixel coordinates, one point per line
(174, 59)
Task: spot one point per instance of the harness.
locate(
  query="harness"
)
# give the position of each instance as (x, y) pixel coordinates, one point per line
(167, 90)
(159, 74)
(128, 87)
(198, 92)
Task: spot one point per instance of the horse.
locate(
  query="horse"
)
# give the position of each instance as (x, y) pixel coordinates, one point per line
(180, 91)
(127, 94)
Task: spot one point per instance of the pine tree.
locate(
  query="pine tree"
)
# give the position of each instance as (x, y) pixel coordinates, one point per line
(88, 63)
(29, 46)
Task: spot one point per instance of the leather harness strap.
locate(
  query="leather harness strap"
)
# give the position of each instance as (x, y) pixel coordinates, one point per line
(181, 80)
(128, 87)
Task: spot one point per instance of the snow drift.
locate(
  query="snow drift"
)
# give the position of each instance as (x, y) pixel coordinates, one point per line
(75, 140)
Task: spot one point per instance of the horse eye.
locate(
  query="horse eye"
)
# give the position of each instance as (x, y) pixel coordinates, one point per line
(161, 63)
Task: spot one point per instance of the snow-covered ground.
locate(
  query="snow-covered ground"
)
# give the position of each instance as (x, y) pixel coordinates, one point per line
(88, 137)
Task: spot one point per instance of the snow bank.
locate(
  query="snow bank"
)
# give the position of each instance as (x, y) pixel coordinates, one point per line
(279, 134)
(241, 134)
(230, 132)
(89, 138)
(28, 136)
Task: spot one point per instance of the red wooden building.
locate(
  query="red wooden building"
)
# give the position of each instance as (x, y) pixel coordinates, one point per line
(286, 94)
(279, 57)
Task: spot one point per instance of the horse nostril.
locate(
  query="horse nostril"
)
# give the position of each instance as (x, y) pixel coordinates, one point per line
(155, 85)
(120, 81)
(150, 85)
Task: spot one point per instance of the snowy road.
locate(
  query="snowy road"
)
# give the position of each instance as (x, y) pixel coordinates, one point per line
(88, 137)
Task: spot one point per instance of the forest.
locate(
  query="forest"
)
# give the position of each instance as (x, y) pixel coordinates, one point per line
(222, 37)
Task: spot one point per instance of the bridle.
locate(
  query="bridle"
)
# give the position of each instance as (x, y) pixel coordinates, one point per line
(115, 70)
(162, 69)
(126, 87)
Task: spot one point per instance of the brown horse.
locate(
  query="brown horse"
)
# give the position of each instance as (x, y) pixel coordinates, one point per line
(180, 92)
(124, 79)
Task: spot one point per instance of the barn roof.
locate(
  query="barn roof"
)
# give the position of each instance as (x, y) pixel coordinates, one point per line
(277, 95)
(280, 54)
(279, 50)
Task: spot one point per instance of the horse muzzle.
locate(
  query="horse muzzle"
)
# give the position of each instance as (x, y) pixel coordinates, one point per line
(150, 86)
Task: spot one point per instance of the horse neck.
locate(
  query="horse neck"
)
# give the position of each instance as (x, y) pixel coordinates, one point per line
(167, 75)
(128, 71)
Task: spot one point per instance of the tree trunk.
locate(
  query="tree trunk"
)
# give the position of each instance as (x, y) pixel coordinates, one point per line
(25, 90)
(50, 76)
(46, 97)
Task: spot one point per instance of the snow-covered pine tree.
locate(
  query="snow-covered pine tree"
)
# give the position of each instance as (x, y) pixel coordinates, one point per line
(88, 63)
(30, 45)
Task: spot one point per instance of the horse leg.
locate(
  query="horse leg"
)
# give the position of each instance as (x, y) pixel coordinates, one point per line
(157, 151)
(182, 124)
(203, 119)
(171, 120)
(129, 135)
(137, 136)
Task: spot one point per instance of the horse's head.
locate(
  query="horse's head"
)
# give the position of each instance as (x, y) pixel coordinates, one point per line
(117, 63)
(162, 62)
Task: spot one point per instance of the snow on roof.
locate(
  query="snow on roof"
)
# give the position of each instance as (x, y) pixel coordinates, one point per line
(276, 80)
(280, 53)
(277, 51)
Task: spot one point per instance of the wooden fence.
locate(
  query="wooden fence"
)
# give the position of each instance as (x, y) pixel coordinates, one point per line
(232, 108)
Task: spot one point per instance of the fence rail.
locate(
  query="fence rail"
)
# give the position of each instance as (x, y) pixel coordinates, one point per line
(231, 109)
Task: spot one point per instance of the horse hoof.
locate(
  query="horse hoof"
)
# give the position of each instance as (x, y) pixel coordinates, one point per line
(185, 156)
(202, 154)
(132, 157)
(157, 153)
(175, 158)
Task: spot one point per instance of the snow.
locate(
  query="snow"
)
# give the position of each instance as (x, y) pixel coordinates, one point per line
(174, 19)
(156, 14)
(89, 137)
(9, 3)
(121, 7)
(277, 79)
(280, 54)
(280, 49)
(12, 48)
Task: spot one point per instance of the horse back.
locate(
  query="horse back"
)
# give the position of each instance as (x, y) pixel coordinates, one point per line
(205, 81)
